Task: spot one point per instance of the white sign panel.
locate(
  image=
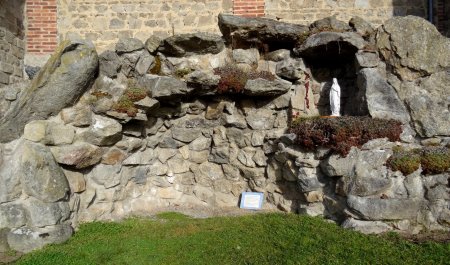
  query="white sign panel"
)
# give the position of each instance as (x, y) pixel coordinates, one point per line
(252, 200)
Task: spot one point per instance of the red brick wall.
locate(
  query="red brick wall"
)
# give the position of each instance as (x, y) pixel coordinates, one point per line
(42, 28)
(248, 8)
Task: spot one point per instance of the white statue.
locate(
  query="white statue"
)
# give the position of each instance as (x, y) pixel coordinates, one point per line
(335, 98)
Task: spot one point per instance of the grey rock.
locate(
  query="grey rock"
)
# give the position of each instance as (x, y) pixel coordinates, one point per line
(199, 156)
(382, 99)
(308, 179)
(329, 44)
(40, 175)
(103, 131)
(193, 43)
(366, 227)
(246, 157)
(12, 215)
(58, 134)
(260, 119)
(367, 59)
(236, 120)
(4, 246)
(237, 136)
(207, 173)
(80, 155)
(204, 81)
(35, 130)
(259, 158)
(43, 214)
(152, 44)
(384, 209)
(258, 138)
(145, 157)
(263, 87)
(427, 100)
(250, 56)
(178, 165)
(278, 55)
(199, 144)
(64, 78)
(26, 239)
(129, 62)
(361, 26)
(220, 154)
(109, 63)
(413, 47)
(169, 142)
(164, 87)
(185, 135)
(231, 172)
(259, 32)
(291, 69)
(335, 165)
(127, 45)
(144, 63)
(365, 186)
(106, 175)
(329, 24)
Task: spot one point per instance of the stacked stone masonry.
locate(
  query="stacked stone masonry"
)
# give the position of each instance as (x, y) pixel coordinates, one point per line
(104, 22)
(12, 45)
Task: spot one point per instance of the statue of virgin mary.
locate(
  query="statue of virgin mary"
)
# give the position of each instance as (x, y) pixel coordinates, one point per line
(335, 98)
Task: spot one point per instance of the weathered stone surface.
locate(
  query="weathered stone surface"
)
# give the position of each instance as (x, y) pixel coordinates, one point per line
(80, 155)
(203, 81)
(152, 44)
(26, 239)
(103, 131)
(43, 214)
(200, 144)
(147, 104)
(193, 43)
(35, 130)
(428, 99)
(178, 165)
(413, 47)
(384, 209)
(145, 157)
(366, 227)
(361, 26)
(65, 77)
(58, 134)
(126, 45)
(382, 99)
(249, 56)
(309, 179)
(40, 175)
(12, 215)
(260, 119)
(79, 116)
(335, 165)
(106, 175)
(164, 87)
(278, 55)
(330, 24)
(113, 156)
(291, 69)
(365, 186)
(257, 32)
(185, 135)
(367, 59)
(144, 63)
(262, 87)
(330, 45)
(76, 180)
(109, 63)
(207, 173)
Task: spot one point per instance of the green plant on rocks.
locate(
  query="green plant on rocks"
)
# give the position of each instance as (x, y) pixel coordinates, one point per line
(405, 161)
(434, 160)
(133, 93)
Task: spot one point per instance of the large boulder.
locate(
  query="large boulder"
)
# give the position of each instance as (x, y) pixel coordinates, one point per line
(428, 102)
(192, 43)
(382, 99)
(63, 79)
(40, 175)
(260, 32)
(384, 209)
(413, 47)
(262, 87)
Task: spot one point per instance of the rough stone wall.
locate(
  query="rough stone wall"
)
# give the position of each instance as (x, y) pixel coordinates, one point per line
(11, 41)
(375, 11)
(104, 21)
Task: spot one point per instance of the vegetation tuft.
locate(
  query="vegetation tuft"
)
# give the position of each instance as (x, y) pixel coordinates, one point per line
(434, 160)
(341, 133)
(253, 239)
(233, 78)
(125, 104)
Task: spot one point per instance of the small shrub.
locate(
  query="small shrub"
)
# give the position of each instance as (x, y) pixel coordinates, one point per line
(156, 69)
(135, 93)
(233, 78)
(434, 160)
(181, 72)
(125, 105)
(404, 161)
(341, 133)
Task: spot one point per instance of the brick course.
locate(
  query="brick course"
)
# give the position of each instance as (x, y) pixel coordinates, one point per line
(42, 26)
(248, 8)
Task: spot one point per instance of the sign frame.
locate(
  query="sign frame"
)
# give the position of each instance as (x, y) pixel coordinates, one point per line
(247, 196)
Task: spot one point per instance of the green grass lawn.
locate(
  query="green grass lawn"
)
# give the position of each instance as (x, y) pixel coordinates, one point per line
(254, 239)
